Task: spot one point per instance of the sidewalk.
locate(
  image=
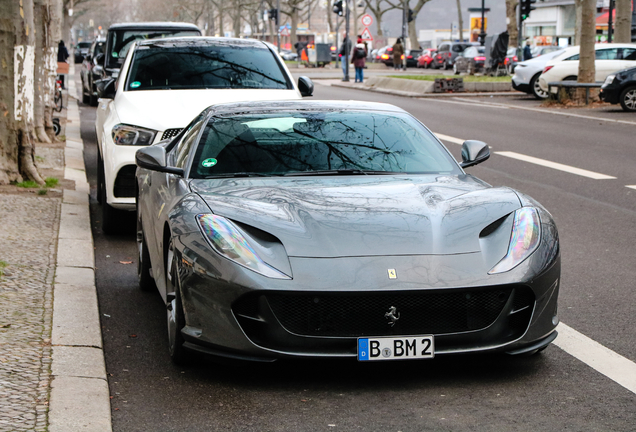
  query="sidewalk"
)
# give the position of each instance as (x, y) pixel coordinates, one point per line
(52, 373)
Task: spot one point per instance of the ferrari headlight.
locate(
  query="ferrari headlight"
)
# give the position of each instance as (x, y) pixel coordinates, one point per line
(228, 241)
(526, 233)
(132, 135)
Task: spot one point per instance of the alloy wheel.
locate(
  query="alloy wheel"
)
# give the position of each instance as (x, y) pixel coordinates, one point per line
(628, 101)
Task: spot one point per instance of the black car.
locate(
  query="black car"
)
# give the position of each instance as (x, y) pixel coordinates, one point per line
(448, 52)
(470, 61)
(81, 49)
(121, 37)
(620, 88)
(412, 56)
(92, 67)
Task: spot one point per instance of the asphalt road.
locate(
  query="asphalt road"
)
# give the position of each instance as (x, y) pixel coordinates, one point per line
(550, 391)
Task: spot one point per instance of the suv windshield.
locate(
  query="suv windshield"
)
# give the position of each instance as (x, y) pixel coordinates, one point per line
(319, 142)
(198, 66)
(119, 41)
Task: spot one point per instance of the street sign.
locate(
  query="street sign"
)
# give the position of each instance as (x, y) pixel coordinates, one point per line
(367, 20)
(285, 32)
(366, 35)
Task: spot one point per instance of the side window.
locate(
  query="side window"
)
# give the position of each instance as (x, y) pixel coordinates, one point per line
(443, 48)
(629, 54)
(458, 48)
(574, 57)
(188, 143)
(607, 54)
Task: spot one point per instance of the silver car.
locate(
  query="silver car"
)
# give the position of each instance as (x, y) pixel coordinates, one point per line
(526, 77)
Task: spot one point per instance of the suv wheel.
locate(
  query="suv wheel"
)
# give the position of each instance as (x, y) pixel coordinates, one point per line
(628, 99)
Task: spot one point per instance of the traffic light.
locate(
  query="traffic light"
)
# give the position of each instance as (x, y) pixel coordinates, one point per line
(410, 15)
(337, 8)
(273, 14)
(525, 6)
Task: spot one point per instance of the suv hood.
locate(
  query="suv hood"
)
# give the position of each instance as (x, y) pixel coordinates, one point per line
(363, 216)
(166, 109)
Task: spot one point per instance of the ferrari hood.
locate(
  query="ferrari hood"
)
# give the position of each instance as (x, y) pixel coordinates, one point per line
(363, 216)
(168, 109)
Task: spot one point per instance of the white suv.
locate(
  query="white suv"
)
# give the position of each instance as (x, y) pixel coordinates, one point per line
(610, 58)
(163, 84)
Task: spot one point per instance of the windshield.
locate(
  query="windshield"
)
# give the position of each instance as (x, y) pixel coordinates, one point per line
(199, 66)
(304, 143)
(119, 41)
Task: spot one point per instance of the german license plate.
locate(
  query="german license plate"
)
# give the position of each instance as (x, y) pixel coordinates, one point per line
(396, 348)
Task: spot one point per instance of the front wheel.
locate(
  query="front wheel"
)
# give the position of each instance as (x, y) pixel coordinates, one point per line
(628, 99)
(537, 91)
(176, 317)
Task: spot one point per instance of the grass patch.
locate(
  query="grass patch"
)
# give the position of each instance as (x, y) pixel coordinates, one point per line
(42, 191)
(51, 182)
(3, 265)
(27, 184)
(467, 78)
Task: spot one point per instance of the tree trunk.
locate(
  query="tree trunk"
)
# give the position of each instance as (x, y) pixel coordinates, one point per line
(623, 26)
(460, 20)
(294, 27)
(587, 70)
(578, 8)
(412, 26)
(513, 25)
(41, 31)
(17, 156)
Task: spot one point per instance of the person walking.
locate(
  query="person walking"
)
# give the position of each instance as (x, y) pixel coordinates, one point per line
(398, 51)
(344, 49)
(62, 63)
(527, 52)
(359, 57)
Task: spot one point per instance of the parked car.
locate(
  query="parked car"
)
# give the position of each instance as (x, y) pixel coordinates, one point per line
(470, 61)
(338, 229)
(447, 52)
(81, 49)
(387, 55)
(91, 71)
(610, 58)
(526, 76)
(426, 58)
(288, 55)
(163, 84)
(121, 37)
(412, 56)
(540, 50)
(620, 88)
(511, 60)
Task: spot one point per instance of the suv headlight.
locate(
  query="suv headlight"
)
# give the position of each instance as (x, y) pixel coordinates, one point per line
(609, 80)
(132, 135)
(228, 241)
(524, 239)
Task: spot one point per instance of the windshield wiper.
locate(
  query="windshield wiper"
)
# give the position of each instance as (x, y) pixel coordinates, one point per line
(338, 172)
(241, 174)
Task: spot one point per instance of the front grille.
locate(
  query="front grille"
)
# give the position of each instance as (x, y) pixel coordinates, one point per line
(169, 133)
(363, 314)
(125, 182)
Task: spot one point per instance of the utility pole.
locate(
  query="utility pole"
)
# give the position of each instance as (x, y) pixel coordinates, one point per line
(482, 35)
(610, 21)
(347, 53)
(278, 25)
(405, 14)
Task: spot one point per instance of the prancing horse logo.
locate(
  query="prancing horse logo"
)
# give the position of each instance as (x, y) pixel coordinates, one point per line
(392, 315)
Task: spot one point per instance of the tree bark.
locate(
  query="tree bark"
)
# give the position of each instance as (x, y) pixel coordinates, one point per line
(412, 25)
(42, 90)
(623, 26)
(17, 155)
(513, 25)
(587, 70)
(578, 8)
(460, 20)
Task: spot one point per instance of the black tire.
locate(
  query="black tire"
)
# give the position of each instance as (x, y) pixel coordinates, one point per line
(85, 97)
(174, 310)
(455, 69)
(92, 98)
(110, 215)
(469, 69)
(100, 178)
(58, 101)
(628, 99)
(570, 78)
(146, 281)
(536, 90)
(56, 126)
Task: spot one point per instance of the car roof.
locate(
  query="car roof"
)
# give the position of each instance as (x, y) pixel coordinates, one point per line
(201, 40)
(235, 108)
(154, 25)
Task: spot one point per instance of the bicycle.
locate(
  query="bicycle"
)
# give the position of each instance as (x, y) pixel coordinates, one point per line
(58, 96)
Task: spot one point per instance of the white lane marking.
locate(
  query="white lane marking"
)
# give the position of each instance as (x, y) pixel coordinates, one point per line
(631, 186)
(611, 364)
(555, 165)
(449, 138)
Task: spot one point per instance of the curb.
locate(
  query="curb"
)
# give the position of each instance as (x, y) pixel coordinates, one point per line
(427, 95)
(80, 398)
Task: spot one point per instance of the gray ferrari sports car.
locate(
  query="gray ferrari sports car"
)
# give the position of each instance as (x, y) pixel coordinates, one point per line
(341, 229)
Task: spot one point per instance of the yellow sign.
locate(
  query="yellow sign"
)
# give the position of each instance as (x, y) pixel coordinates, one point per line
(475, 28)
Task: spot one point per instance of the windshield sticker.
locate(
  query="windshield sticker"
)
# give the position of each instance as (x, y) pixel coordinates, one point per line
(135, 84)
(114, 54)
(209, 162)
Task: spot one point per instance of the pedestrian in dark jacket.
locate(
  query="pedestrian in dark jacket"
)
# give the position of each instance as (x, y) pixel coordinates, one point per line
(359, 57)
(62, 52)
(344, 49)
(398, 51)
(527, 52)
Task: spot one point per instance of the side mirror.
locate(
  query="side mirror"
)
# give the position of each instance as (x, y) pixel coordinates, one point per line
(474, 152)
(154, 158)
(105, 88)
(305, 86)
